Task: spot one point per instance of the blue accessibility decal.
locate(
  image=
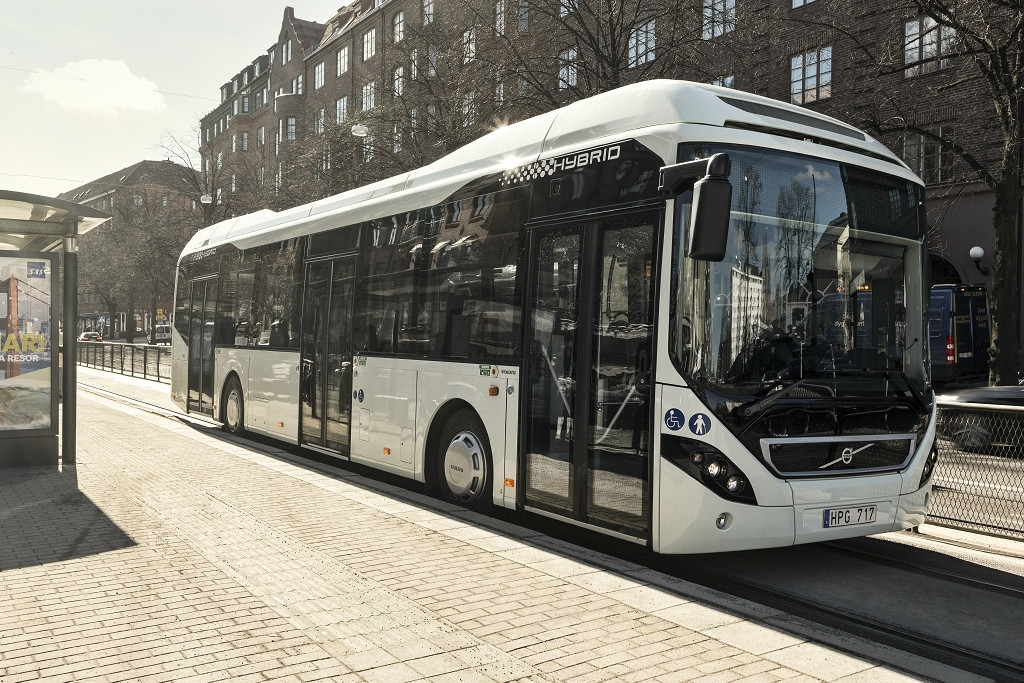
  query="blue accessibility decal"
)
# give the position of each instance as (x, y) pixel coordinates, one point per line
(674, 419)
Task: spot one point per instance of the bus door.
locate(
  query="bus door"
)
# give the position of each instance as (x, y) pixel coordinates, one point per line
(326, 361)
(202, 307)
(586, 439)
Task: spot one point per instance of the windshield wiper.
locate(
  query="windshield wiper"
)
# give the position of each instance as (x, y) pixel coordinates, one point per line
(754, 407)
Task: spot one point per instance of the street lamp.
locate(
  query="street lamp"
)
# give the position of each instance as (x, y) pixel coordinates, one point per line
(360, 131)
(977, 253)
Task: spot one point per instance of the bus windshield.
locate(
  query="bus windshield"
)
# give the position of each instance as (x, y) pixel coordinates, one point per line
(822, 261)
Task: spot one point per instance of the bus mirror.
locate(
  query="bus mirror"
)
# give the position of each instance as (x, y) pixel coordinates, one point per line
(712, 200)
(709, 214)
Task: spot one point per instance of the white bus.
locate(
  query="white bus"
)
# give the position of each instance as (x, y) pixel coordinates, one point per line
(607, 314)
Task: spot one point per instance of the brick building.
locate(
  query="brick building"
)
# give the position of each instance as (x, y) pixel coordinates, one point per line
(127, 264)
(425, 76)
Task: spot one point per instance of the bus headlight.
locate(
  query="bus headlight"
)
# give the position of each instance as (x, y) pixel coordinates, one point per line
(929, 465)
(709, 466)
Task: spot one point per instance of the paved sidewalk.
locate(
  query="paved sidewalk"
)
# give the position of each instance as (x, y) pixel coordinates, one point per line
(172, 552)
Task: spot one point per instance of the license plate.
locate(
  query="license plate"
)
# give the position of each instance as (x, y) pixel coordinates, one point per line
(848, 516)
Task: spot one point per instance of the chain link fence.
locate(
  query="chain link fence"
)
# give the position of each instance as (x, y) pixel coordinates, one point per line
(978, 483)
(137, 360)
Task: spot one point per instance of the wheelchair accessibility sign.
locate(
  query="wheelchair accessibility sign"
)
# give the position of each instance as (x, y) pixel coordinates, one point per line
(699, 424)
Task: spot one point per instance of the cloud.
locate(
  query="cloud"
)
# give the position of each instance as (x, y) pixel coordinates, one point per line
(96, 86)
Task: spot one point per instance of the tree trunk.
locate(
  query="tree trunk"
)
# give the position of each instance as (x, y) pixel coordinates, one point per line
(1004, 353)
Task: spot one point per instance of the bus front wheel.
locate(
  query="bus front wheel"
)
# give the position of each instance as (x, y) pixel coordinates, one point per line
(234, 407)
(464, 462)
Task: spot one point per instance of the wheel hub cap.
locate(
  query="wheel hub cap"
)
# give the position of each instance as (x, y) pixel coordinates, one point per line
(464, 466)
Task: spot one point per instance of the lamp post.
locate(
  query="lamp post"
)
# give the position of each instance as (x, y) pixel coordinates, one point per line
(977, 253)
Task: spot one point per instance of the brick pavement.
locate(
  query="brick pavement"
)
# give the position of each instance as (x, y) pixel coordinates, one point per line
(174, 553)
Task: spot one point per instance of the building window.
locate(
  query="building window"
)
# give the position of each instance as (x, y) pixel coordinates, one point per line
(414, 64)
(399, 81)
(318, 76)
(468, 110)
(368, 148)
(810, 76)
(928, 157)
(801, 3)
(342, 66)
(369, 95)
(289, 128)
(641, 44)
(245, 142)
(286, 51)
(413, 118)
(566, 7)
(468, 45)
(499, 17)
(245, 105)
(719, 17)
(431, 120)
(341, 109)
(398, 26)
(234, 144)
(261, 136)
(397, 136)
(369, 44)
(524, 16)
(499, 93)
(926, 46)
(431, 61)
(233, 184)
(297, 85)
(318, 122)
(567, 69)
(428, 11)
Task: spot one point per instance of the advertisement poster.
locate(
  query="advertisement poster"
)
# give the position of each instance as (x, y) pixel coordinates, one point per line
(26, 348)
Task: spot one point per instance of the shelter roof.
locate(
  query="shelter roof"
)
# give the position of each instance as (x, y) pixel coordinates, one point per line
(31, 222)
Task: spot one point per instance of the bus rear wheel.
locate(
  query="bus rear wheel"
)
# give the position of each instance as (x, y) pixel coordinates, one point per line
(464, 462)
(234, 407)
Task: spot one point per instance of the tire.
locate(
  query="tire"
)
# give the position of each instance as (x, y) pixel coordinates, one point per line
(234, 407)
(973, 434)
(463, 462)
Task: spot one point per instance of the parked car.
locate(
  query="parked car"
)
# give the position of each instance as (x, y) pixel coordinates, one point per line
(90, 336)
(979, 419)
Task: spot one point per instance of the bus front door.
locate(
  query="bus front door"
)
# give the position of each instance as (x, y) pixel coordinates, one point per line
(202, 306)
(326, 363)
(591, 311)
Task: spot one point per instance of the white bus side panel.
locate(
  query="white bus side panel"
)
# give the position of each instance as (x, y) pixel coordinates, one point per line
(447, 382)
(270, 387)
(384, 415)
(395, 403)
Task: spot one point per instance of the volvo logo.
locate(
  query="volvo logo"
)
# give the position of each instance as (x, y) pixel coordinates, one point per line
(846, 457)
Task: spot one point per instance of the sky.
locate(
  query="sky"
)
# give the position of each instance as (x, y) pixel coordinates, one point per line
(88, 87)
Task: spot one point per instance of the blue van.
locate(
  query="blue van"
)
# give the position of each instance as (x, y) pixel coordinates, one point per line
(959, 334)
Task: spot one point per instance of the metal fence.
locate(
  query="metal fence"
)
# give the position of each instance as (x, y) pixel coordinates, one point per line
(978, 483)
(137, 360)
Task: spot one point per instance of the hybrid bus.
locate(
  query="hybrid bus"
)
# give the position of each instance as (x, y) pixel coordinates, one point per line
(641, 313)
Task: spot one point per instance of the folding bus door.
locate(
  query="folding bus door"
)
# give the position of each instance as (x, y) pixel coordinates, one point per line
(202, 307)
(590, 333)
(326, 363)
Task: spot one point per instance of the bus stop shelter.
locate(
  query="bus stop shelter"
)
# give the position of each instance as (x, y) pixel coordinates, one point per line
(34, 231)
